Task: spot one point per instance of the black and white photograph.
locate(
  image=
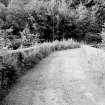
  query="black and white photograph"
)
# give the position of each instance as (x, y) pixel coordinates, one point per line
(52, 52)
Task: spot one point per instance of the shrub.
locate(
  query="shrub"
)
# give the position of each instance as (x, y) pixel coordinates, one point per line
(54, 19)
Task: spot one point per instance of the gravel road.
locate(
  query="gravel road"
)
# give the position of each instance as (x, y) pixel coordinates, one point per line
(63, 78)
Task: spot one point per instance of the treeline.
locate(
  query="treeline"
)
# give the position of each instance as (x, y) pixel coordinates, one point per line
(26, 22)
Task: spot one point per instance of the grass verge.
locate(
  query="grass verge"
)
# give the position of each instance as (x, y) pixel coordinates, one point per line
(15, 63)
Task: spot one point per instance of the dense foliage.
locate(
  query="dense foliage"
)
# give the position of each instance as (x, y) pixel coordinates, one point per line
(26, 22)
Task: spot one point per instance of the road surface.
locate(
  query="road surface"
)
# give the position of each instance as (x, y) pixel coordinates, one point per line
(63, 78)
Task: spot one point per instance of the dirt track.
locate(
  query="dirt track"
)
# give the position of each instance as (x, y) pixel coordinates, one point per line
(63, 78)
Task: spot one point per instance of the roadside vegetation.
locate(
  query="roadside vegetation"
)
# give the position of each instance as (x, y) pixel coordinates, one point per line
(23, 23)
(15, 63)
(32, 29)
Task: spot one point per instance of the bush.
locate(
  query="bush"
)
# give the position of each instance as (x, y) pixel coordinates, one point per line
(59, 20)
(54, 20)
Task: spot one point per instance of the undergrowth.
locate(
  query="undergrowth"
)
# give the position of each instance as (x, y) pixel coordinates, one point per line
(16, 63)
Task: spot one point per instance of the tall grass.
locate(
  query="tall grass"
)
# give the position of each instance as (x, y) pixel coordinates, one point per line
(16, 63)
